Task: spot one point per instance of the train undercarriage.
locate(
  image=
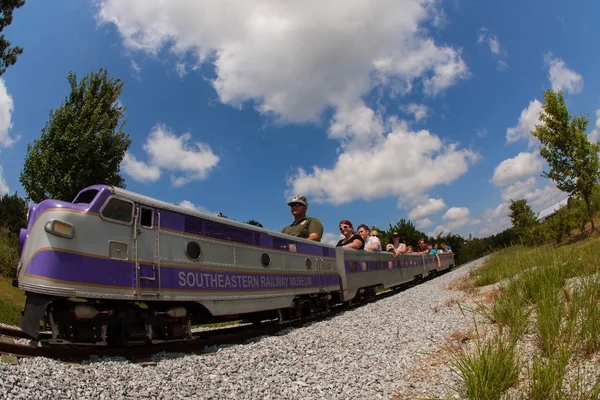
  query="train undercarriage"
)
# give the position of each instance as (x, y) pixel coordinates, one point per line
(76, 321)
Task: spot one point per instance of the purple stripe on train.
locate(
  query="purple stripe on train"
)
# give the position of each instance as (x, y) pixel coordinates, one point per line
(82, 269)
(363, 266)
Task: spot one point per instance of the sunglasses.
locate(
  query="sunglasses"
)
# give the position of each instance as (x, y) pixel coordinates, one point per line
(296, 205)
(343, 227)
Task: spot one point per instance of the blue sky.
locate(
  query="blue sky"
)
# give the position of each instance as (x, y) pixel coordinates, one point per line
(375, 110)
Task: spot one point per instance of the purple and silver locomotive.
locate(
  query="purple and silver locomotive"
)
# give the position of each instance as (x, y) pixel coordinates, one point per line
(114, 266)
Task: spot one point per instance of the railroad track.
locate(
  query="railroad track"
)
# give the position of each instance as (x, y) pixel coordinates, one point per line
(197, 344)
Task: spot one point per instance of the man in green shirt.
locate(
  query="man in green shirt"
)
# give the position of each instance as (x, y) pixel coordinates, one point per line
(305, 227)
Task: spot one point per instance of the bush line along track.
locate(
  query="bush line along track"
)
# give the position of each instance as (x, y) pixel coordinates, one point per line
(197, 344)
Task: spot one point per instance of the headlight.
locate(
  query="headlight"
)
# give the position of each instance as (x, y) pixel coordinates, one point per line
(59, 228)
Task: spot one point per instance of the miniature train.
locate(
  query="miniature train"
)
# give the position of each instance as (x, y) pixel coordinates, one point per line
(114, 266)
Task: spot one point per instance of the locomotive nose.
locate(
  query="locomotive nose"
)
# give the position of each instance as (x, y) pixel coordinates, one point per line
(22, 238)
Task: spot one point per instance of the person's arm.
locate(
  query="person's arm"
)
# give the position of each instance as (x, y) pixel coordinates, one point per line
(315, 230)
(355, 244)
(374, 246)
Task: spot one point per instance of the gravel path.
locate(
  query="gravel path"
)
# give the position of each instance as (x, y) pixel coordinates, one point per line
(374, 352)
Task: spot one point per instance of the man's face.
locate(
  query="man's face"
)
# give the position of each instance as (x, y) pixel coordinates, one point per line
(298, 209)
(363, 233)
(421, 243)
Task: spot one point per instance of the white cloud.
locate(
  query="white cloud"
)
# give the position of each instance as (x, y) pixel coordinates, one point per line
(139, 170)
(517, 168)
(595, 134)
(501, 65)
(166, 151)
(6, 109)
(543, 198)
(456, 213)
(500, 211)
(527, 121)
(424, 223)
(418, 158)
(561, 77)
(517, 190)
(481, 133)
(427, 208)
(289, 60)
(356, 126)
(181, 70)
(418, 111)
(331, 238)
(3, 186)
(136, 69)
(484, 37)
(188, 204)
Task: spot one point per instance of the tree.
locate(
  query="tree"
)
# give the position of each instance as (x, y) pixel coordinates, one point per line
(8, 55)
(407, 231)
(255, 223)
(82, 144)
(222, 215)
(13, 213)
(523, 218)
(573, 159)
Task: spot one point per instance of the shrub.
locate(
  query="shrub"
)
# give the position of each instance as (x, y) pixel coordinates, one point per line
(9, 254)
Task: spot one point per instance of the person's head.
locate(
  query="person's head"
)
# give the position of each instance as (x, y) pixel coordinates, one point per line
(346, 228)
(375, 233)
(409, 249)
(363, 231)
(429, 247)
(435, 246)
(390, 247)
(396, 237)
(298, 205)
(421, 243)
(443, 245)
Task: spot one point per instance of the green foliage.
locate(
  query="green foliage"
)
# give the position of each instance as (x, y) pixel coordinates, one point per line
(8, 55)
(558, 226)
(489, 371)
(82, 144)
(13, 213)
(255, 223)
(573, 160)
(408, 233)
(523, 219)
(560, 286)
(9, 253)
(222, 215)
(478, 247)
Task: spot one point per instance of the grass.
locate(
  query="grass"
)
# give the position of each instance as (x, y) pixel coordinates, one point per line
(488, 371)
(12, 301)
(553, 294)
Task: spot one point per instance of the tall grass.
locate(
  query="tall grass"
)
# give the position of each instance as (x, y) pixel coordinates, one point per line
(538, 295)
(489, 371)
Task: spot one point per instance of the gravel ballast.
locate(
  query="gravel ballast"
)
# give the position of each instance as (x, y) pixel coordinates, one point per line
(373, 352)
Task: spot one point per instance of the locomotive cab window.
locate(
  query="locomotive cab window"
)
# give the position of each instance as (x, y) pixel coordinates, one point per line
(86, 197)
(118, 210)
(146, 217)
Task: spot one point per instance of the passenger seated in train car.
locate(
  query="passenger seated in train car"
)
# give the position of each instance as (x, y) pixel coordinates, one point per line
(446, 248)
(433, 251)
(372, 243)
(305, 227)
(398, 243)
(351, 240)
(422, 247)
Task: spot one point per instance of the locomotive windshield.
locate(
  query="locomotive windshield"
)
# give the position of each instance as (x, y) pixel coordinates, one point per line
(86, 197)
